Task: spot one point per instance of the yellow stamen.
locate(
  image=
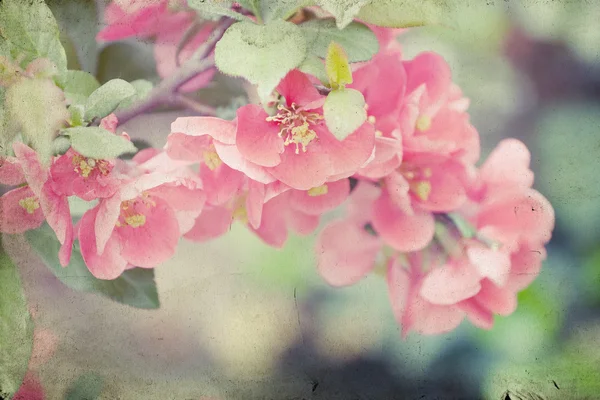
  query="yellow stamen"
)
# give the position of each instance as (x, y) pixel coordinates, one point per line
(372, 119)
(136, 220)
(378, 133)
(423, 123)
(318, 191)
(211, 159)
(295, 125)
(422, 189)
(30, 204)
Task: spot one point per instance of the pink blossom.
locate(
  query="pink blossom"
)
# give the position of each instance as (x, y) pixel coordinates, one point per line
(88, 178)
(139, 225)
(139, 18)
(26, 207)
(294, 145)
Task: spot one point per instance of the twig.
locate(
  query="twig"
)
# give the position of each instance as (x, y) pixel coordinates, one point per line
(163, 92)
(184, 101)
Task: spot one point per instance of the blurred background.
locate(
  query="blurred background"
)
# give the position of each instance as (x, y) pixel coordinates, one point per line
(239, 320)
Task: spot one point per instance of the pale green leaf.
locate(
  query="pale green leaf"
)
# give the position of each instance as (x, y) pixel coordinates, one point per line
(281, 9)
(142, 88)
(16, 328)
(359, 42)
(315, 66)
(28, 28)
(213, 9)
(135, 287)
(344, 11)
(344, 112)
(98, 143)
(107, 97)
(337, 68)
(79, 85)
(263, 54)
(405, 13)
(37, 107)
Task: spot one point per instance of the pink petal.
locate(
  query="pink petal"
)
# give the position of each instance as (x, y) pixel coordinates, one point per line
(180, 196)
(345, 253)
(297, 88)
(105, 219)
(337, 193)
(402, 231)
(525, 267)
(10, 172)
(103, 265)
(508, 165)
(219, 129)
(35, 175)
(57, 212)
(13, 217)
(254, 202)
(257, 139)
(302, 224)
(492, 264)
(450, 283)
(498, 300)
(181, 146)
(154, 242)
(212, 223)
(305, 170)
(273, 226)
(432, 70)
(350, 154)
(231, 156)
(388, 156)
(221, 184)
(478, 315)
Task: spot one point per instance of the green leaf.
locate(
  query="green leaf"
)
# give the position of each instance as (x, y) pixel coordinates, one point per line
(16, 328)
(314, 65)
(142, 88)
(404, 13)
(344, 11)
(214, 9)
(263, 54)
(98, 143)
(135, 287)
(344, 112)
(107, 97)
(29, 29)
(87, 387)
(337, 67)
(359, 42)
(280, 9)
(79, 85)
(37, 107)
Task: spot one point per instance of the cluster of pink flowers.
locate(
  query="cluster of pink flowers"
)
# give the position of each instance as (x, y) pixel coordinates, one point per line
(452, 239)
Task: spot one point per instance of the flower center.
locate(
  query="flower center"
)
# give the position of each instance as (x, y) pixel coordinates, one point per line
(30, 204)
(239, 210)
(295, 125)
(318, 191)
(211, 159)
(418, 180)
(423, 123)
(85, 166)
(133, 211)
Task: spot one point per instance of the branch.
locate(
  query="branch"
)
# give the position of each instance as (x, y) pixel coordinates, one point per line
(186, 102)
(163, 92)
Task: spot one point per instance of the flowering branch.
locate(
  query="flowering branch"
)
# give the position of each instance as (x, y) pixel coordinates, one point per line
(163, 92)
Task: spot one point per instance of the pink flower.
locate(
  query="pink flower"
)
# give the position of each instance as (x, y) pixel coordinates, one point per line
(26, 207)
(294, 145)
(88, 178)
(299, 211)
(433, 117)
(139, 18)
(31, 388)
